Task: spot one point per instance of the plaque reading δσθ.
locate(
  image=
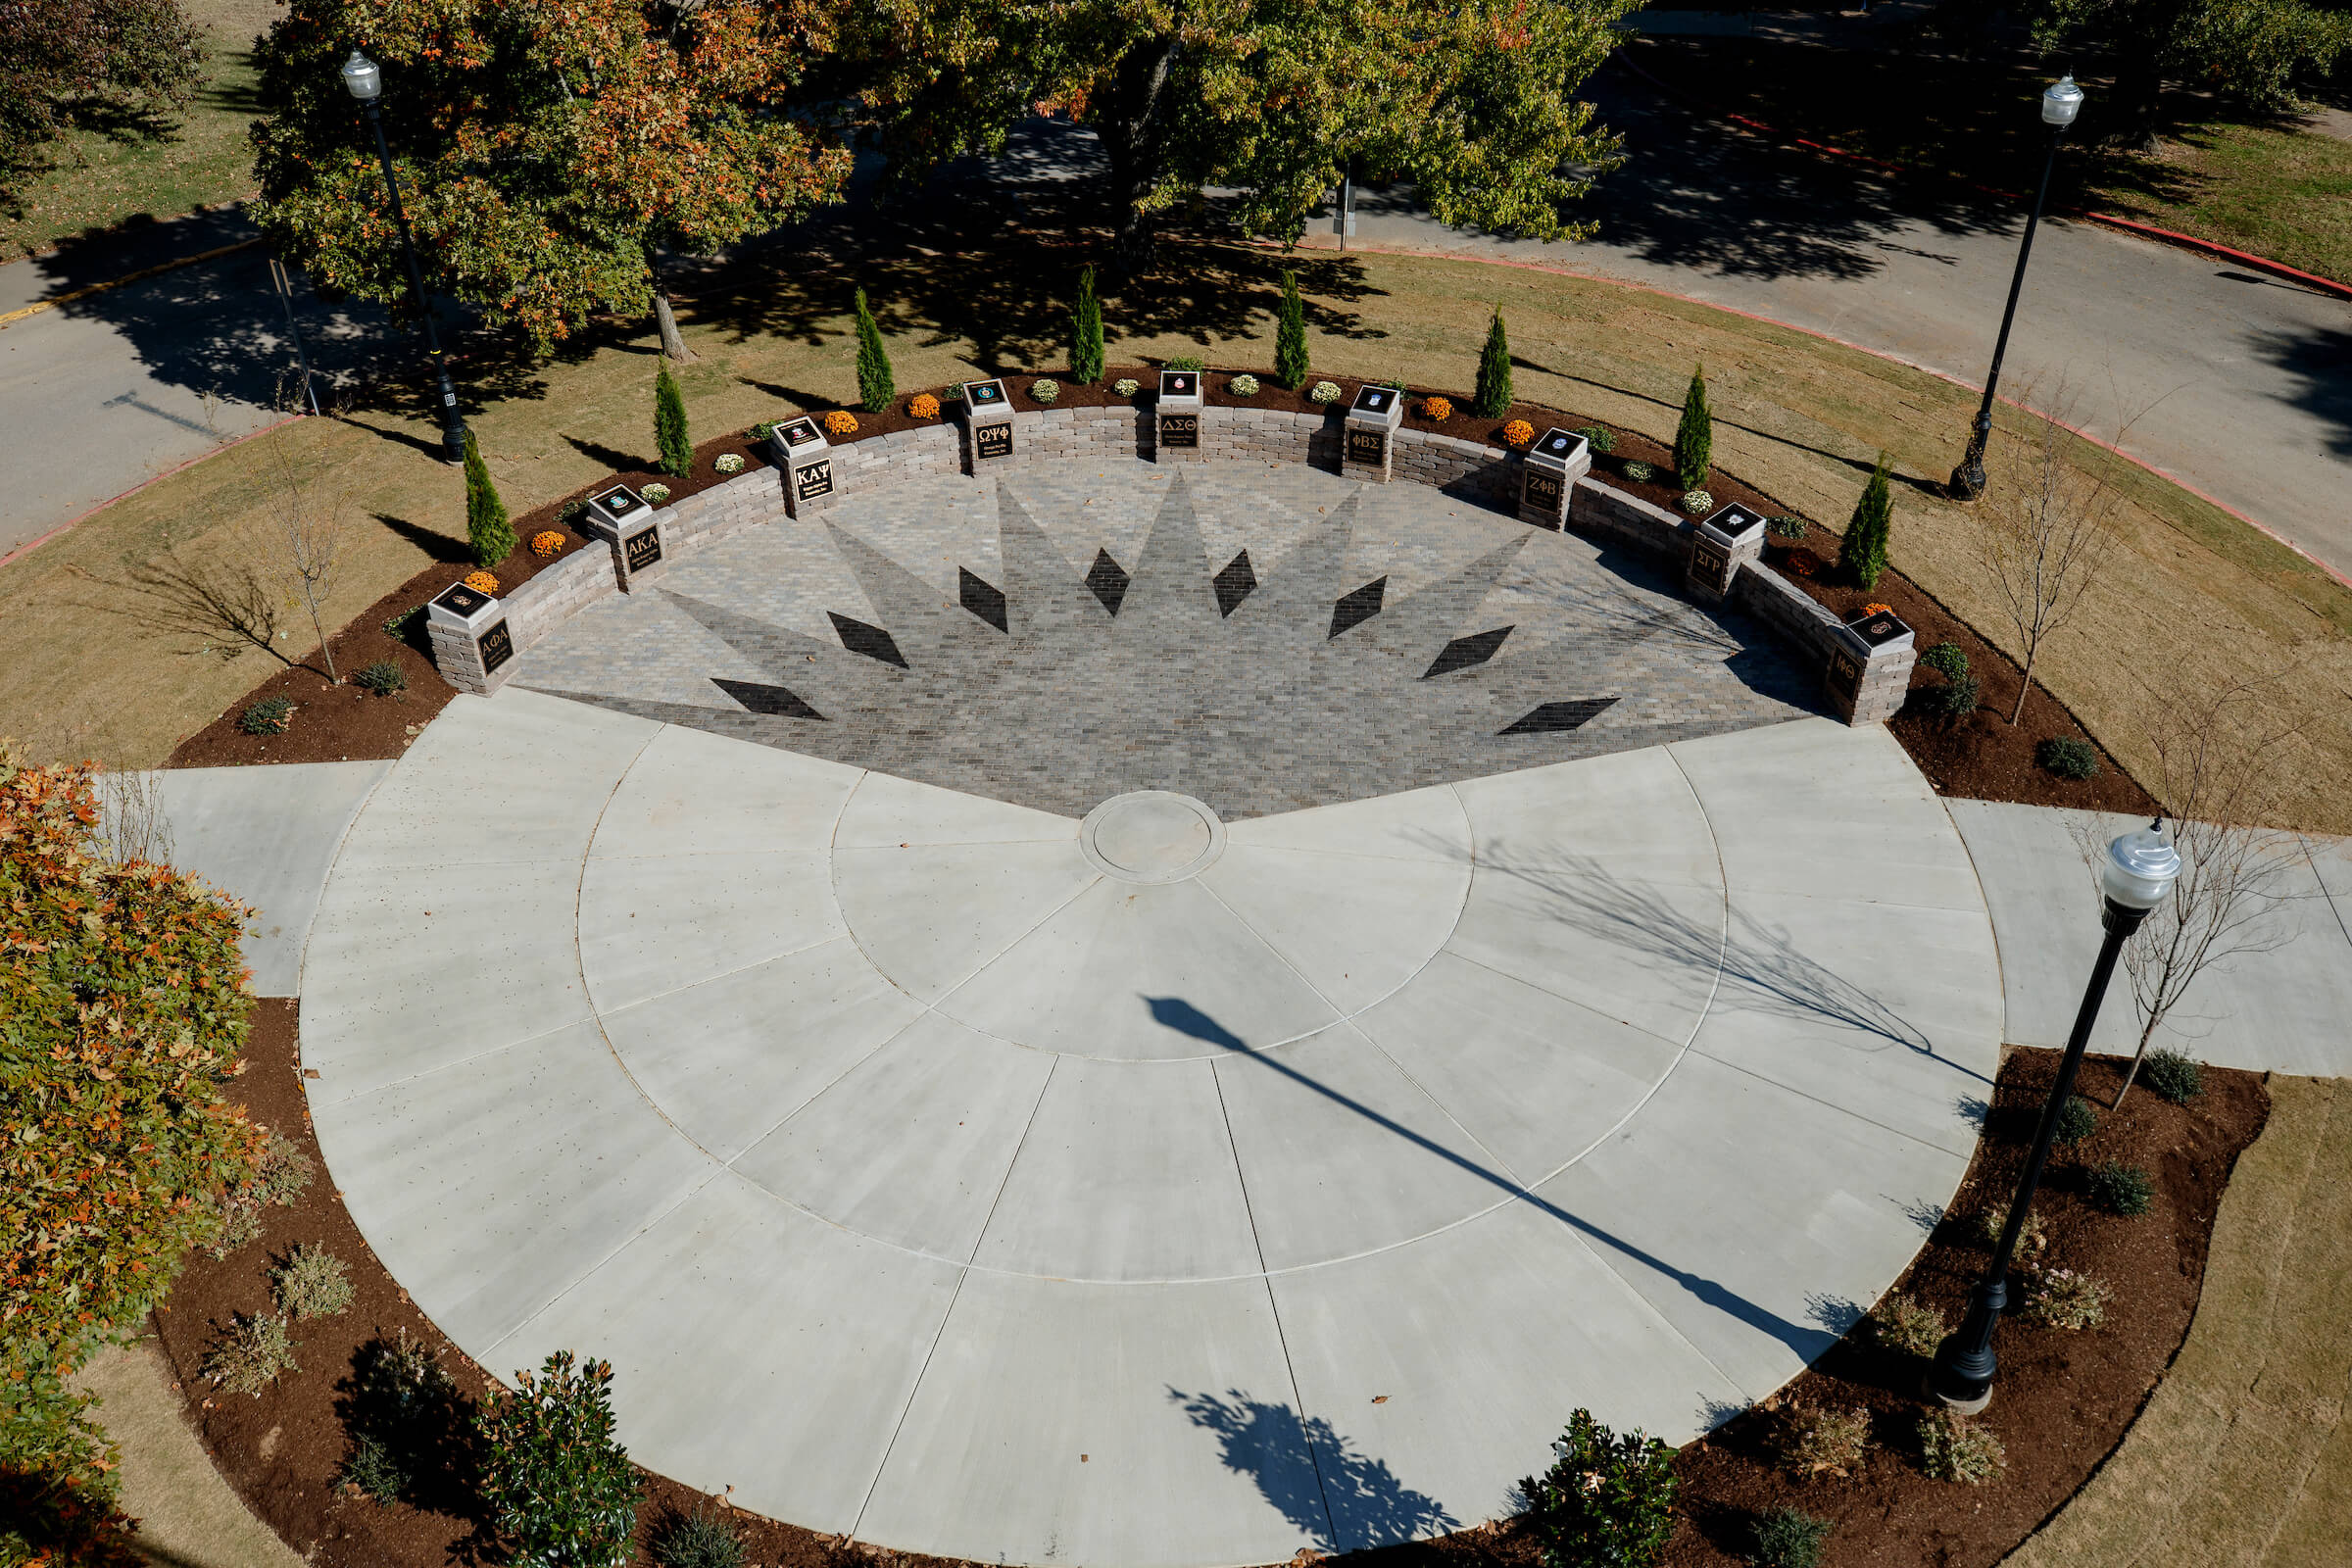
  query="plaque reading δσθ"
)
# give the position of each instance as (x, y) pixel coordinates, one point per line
(1543, 490)
(813, 480)
(994, 439)
(1180, 430)
(1368, 445)
(643, 549)
(497, 647)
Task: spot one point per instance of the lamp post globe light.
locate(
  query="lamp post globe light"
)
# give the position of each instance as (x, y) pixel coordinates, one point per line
(365, 81)
(2061, 101)
(2135, 876)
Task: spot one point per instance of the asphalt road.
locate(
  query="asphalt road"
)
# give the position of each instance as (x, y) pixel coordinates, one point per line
(2233, 382)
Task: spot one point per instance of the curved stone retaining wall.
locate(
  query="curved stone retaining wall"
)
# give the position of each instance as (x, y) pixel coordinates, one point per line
(1468, 469)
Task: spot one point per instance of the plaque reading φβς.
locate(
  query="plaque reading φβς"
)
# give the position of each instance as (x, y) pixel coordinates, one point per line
(497, 647)
(1368, 445)
(643, 549)
(994, 439)
(813, 480)
(1180, 430)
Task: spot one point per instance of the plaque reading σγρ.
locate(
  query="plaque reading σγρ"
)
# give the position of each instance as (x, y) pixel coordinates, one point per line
(813, 479)
(1180, 430)
(498, 646)
(1368, 445)
(643, 549)
(992, 439)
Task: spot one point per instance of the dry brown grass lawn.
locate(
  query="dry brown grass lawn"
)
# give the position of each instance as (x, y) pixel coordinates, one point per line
(2194, 597)
(2243, 1456)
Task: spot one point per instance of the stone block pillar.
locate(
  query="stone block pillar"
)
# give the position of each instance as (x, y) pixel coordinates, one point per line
(633, 531)
(1870, 667)
(988, 425)
(1368, 437)
(804, 462)
(1176, 417)
(1548, 475)
(471, 646)
(1729, 538)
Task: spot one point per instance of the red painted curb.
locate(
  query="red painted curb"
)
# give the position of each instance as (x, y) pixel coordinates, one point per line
(31, 545)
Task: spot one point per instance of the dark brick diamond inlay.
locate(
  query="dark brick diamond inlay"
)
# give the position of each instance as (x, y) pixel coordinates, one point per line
(1109, 580)
(1235, 583)
(758, 699)
(1464, 651)
(983, 598)
(871, 641)
(1553, 718)
(1354, 608)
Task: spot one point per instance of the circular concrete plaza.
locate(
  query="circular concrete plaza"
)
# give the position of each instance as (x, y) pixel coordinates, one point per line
(1120, 1019)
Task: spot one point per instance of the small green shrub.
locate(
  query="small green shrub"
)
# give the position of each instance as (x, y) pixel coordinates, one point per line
(2172, 1075)
(1601, 438)
(697, 1540)
(1811, 1441)
(383, 677)
(2121, 1189)
(1901, 1322)
(1789, 1537)
(271, 716)
(1639, 471)
(312, 1282)
(1786, 527)
(559, 1487)
(1186, 361)
(1697, 503)
(2068, 757)
(2031, 1239)
(372, 1469)
(2065, 1299)
(1952, 699)
(2077, 1120)
(250, 1353)
(1946, 660)
(1607, 1498)
(1044, 391)
(1952, 1447)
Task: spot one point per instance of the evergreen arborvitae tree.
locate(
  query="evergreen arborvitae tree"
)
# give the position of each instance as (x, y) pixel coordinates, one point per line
(1863, 554)
(1695, 437)
(1086, 331)
(486, 525)
(1290, 336)
(1492, 398)
(876, 386)
(669, 426)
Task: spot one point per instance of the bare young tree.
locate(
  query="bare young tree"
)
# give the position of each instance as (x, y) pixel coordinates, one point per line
(2214, 775)
(2045, 534)
(309, 522)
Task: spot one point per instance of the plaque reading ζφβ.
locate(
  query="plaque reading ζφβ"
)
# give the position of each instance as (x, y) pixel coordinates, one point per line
(643, 549)
(1180, 430)
(1543, 490)
(498, 646)
(813, 479)
(992, 439)
(1368, 445)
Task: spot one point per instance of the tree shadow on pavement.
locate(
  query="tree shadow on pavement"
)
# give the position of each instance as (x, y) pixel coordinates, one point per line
(1342, 1499)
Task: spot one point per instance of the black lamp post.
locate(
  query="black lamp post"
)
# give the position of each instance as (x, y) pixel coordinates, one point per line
(2061, 101)
(2139, 872)
(366, 83)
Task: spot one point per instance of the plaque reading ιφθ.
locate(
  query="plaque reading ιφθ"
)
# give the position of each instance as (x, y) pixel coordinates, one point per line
(642, 549)
(1368, 445)
(813, 480)
(498, 646)
(994, 439)
(1180, 430)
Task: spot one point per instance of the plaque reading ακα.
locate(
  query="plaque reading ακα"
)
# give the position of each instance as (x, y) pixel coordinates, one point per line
(813, 480)
(643, 549)
(1180, 430)
(994, 439)
(1368, 445)
(498, 646)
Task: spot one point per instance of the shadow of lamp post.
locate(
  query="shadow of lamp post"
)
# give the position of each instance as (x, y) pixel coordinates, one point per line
(2137, 874)
(2061, 101)
(365, 81)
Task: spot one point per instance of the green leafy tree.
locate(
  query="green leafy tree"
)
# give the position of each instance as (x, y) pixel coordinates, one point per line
(1086, 330)
(1291, 366)
(2252, 51)
(1862, 556)
(124, 1007)
(1492, 398)
(669, 424)
(486, 526)
(1607, 1500)
(876, 385)
(1694, 436)
(1473, 102)
(561, 1489)
(120, 67)
(545, 152)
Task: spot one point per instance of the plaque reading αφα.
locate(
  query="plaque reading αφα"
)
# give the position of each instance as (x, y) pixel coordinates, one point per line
(1368, 445)
(642, 549)
(994, 439)
(1543, 490)
(1180, 430)
(813, 480)
(497, 647)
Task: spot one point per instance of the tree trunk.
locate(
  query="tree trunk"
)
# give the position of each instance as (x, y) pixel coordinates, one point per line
(1132, 130)
(672, 343)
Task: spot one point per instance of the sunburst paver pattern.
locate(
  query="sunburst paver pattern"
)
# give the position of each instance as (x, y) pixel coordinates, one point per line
(1165, 1088)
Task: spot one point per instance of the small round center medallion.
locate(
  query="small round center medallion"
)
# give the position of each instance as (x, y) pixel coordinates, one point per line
(1152, 836)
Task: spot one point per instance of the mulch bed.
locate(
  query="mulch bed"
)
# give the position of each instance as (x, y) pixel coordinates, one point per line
(2063, 1401)
(1981, 757)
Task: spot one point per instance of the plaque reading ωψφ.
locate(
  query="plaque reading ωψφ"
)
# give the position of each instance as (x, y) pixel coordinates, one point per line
(813, 480)
(498, 646)
(1180, 430)
(643, 549)
(1543, 490)
(994, 439)
(1368, 445)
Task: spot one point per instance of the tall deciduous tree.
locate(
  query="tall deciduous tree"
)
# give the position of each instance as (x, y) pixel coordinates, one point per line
(546, 150)
(121, 66)
(1473, 101)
